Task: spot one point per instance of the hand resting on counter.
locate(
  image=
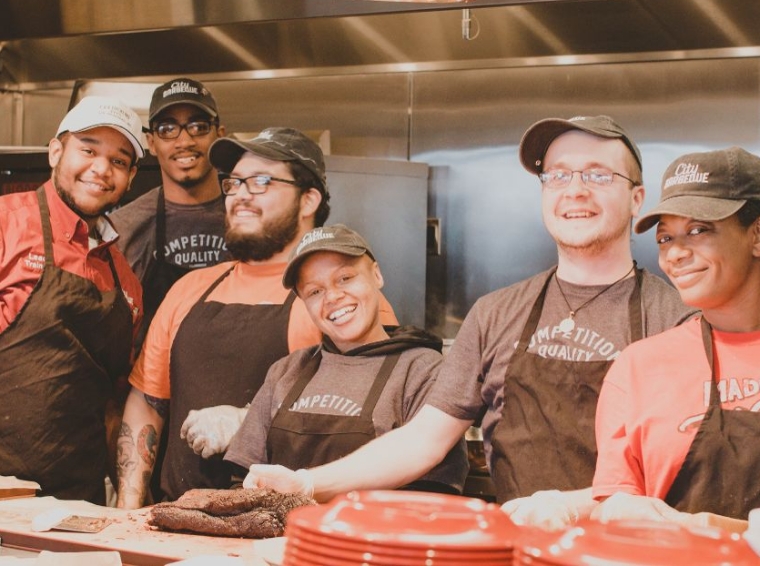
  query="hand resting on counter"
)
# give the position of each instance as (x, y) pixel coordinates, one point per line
(551, 510)
(279, 478)
(622, 506)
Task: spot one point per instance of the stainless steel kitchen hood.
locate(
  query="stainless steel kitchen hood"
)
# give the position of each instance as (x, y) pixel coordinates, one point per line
(44, 43)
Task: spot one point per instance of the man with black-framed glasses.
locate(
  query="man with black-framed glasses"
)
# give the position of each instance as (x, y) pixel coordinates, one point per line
(179, 225)
(220, 328)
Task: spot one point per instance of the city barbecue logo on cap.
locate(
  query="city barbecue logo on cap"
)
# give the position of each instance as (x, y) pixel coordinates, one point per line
(182, 91)
(708, 186)
(337, 238)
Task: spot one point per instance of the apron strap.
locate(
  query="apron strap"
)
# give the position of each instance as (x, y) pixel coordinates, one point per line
(47, 231)
(215, 284)
(158, 253)
(368, 407)
(535, 316)
(304, 376)
(47, 236)
(708, 344)
(636, 306)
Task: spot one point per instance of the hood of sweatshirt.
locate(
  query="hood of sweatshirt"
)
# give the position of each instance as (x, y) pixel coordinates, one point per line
(400, 338)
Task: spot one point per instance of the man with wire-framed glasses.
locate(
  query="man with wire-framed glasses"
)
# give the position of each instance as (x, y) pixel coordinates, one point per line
(530, 358)
(179, 225)
(220, 328)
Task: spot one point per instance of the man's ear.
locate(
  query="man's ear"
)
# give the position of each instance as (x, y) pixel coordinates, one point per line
(378, 275)
(310, 201)
(756, 237)
(55, 150)
(151, 143)
(637, 199)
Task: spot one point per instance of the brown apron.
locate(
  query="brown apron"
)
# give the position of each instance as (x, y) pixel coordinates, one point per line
(545, 438)
(220, 356)
(720, 472)
(304, 440)
(159, 278)
(58, 361)
(160, 274)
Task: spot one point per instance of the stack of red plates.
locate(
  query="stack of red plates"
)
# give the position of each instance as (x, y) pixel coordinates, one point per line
(633, 543)
(400, 528)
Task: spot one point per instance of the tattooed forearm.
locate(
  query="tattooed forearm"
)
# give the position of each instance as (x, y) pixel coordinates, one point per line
(161, 406)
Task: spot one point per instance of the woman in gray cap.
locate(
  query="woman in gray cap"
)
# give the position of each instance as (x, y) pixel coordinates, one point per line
(678, 418)
(321, 403)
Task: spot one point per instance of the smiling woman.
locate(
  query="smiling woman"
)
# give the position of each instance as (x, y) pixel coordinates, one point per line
(671, 416)
(321, 403)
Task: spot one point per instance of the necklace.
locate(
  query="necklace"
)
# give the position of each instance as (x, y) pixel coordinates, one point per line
(568, 323)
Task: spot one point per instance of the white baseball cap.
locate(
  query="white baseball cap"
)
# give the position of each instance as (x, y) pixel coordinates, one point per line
(104, 111)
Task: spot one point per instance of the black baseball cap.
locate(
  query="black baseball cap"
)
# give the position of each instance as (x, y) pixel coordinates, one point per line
(182, 91)
(540, 135)
(278, 144)
(708, 186)
(336, 238)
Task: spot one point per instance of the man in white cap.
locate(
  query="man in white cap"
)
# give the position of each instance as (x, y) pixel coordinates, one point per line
(68, 304)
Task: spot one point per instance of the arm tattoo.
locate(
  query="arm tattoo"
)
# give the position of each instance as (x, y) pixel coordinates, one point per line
(125, 450)
(147, 444)
(161, 406)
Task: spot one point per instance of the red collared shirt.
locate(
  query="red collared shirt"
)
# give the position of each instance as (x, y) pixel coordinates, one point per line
(22, 254)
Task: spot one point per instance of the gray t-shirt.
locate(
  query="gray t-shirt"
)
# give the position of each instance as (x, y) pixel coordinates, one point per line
(472, 378)
(194, 232)
(339, 387)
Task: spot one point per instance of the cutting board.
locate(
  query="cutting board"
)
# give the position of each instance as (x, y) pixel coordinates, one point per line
(128, 533)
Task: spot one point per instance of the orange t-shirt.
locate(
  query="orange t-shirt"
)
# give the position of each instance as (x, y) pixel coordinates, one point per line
(246, 284)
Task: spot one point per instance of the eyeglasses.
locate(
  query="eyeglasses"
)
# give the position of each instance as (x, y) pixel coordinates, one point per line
(172, 130)
(260, 184)
(591, 178)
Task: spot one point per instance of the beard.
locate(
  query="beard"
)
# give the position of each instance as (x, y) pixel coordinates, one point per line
(69, 200)
(275, 235)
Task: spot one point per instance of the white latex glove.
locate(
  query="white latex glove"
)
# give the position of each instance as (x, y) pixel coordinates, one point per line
(280, 478)
(551, 510)
(626, 506)
(209, 431)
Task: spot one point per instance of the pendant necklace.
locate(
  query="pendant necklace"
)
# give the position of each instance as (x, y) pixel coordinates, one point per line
(568, 323)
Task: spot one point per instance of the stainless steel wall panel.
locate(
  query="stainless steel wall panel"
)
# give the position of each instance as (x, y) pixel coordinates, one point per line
(467, 126)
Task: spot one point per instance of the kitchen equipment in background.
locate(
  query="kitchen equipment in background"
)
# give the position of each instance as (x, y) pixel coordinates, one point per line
(633, 543)
(400, 528)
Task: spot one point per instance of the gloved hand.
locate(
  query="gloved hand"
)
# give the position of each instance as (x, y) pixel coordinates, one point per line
(551, 510)
(280, 478)
(209, 431)
(626, 506)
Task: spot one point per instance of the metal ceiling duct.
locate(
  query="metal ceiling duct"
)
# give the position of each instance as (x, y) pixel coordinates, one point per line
(44, 44)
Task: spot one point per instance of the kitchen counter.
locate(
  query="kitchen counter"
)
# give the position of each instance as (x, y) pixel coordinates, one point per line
(127, 533)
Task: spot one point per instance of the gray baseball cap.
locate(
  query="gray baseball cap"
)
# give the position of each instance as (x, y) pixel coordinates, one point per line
(708, 186)
(278, 144)
(540, 135)
(336, 238)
